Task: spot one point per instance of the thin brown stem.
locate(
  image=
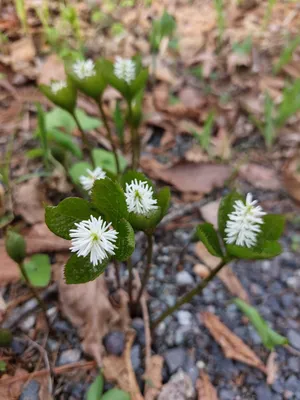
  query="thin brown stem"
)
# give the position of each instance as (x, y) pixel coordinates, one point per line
(188, 297)
(117, 272)
(148, 267)
(135, 141)
(109, 134)
(83, 136)
(130, 279)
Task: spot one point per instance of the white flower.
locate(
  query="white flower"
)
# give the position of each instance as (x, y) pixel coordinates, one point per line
(139, 197)
(84, 69)
(124, 69)
(87, 181)
(244, 222)
(95, 237)
(58, 85)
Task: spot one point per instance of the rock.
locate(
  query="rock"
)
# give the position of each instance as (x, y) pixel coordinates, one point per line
(191, 369)
(184, 318)
(114, 343)
(294, 364)
(30, 391)
(69, 356)
(226, 394)
(135, 356)
(183, 278)
(138, 326)
(292, 384)
(263, 392)
(288, 300)
(62, 326)
(18, 346)
(179, 387)
(53, 345)
(278, 385)
(294, 338)
(175, 359)
(27, 323)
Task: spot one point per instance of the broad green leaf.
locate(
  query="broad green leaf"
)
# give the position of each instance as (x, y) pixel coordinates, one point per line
(59, 118)
(146, 222)
(66, 141)
(225, 208)
(163, 200)
(209, 237)
(269, 337)
(109, 198)
(81, 270)
(115, 394)
(64, 98)
(273, 227)
(139, 83)
(60, 219)
(119, 121)
(96, 389)
(79, 169)
(106, 160)
(265, 249)
(126, 240)
(38, 269)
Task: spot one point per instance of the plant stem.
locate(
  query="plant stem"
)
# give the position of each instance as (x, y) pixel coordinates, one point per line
(117, 272)
(109, 133)
(35, 294)
(135, 141)
(188, 297)
(83, 135)
(148, 267)
(130, 278)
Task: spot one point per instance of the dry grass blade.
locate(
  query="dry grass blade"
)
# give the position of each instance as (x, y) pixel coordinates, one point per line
(231, 344)
(205, 389)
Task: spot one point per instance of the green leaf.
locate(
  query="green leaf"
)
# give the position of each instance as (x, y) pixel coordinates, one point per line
(6, 337)
(106, 160)
(286, 55)
(131, 175)
(109, 198)
(35, 153)
(81, 270)
(225, 208)
(209, 237)
(2, 366)
(61, 219)
(273, 227)
(265, 249)
(163, 200)
(204, 137)
(269, 130)
(119, 121)
(66, 141)
(38, 269)
(146, 222)
(77, 170)
(269, 337)
(290, 103)
(64, 98)
(96, 389)
(126, 240)
(115, 394)
(15, 246)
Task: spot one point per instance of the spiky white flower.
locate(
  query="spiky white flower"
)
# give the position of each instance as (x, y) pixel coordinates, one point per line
(139, 197)
(243, 224)
(87, 181)
(124, 69)
(95, 237)
(57, 86)
(84, 69)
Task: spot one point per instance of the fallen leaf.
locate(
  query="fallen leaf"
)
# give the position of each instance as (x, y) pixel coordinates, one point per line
(201, 270)
(291, 178)
(153, 377)
(199, 178)
(209, 212)
(196, 155)
(237, 60)
(205, 389)
(272, 368)
(231, 344)
(39, 239)
(260, 177)
(192, 97)
(52, 69)
(119, 370)
(164, 74)
(28, 201)
(9, 270)
(89, 309)
(204, 255)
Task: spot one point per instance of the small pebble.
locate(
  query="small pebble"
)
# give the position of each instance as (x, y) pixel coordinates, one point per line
(183, 278)
(30, 391)
(69, 356)
(114, 343)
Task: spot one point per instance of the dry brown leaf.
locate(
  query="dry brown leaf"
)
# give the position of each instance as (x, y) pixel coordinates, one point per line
(52, 69)
(39, 239)
(205, 389)
(164, 74)
(196, 155)
(231, 344)
(201, 270)
(205, 256)
(222, 144)
(28, 201)
(9, 270)
(272, 368)
(191, 97)
(260, 177)
(89, 309)
(119, 370)
(237, 60)
(153, 377)
(22, 52)
(209, 212)
(198, 178)
(291, 178)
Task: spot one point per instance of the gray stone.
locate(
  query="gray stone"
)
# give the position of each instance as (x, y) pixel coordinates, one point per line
(263, 392)
(69, 356)
(294, 338)
(18, 346)
(292, 384)
(30, 391)
(27, 323)
(52, 344)
(175, 359)
(294, 364)
(114, 343)
(192, 370)
(256, 339)
(138, 326)
(179, 387)
(278, 385)
(288, 300)
(184, 317)
(135, 356)
(226, 394)
(183, 278)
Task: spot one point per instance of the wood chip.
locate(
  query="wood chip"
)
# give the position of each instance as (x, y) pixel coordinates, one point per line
(231, 344)
(153, 377)
(272, 368)
(205, 389)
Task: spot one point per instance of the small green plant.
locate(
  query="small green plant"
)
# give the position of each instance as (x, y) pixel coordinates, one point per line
(286, 55)
(3, 366)
(21, 13)
(268, 13)
(219, 6)
(95, 391)
(244, 47)
(204, 137)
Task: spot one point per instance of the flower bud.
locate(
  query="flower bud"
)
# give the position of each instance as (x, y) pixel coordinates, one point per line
(15, 246)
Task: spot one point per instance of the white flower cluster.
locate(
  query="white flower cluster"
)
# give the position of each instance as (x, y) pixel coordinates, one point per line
(87, 181)
(124, 69)
(57, 86)
(139, 197)
(95, 237)
(243, 224)
(84, 69)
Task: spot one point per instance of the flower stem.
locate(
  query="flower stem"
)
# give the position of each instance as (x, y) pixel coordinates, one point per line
(148, 267)
(188, 297)
(35, 294)
(135, 141)
(109, 134)
(83, 136)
